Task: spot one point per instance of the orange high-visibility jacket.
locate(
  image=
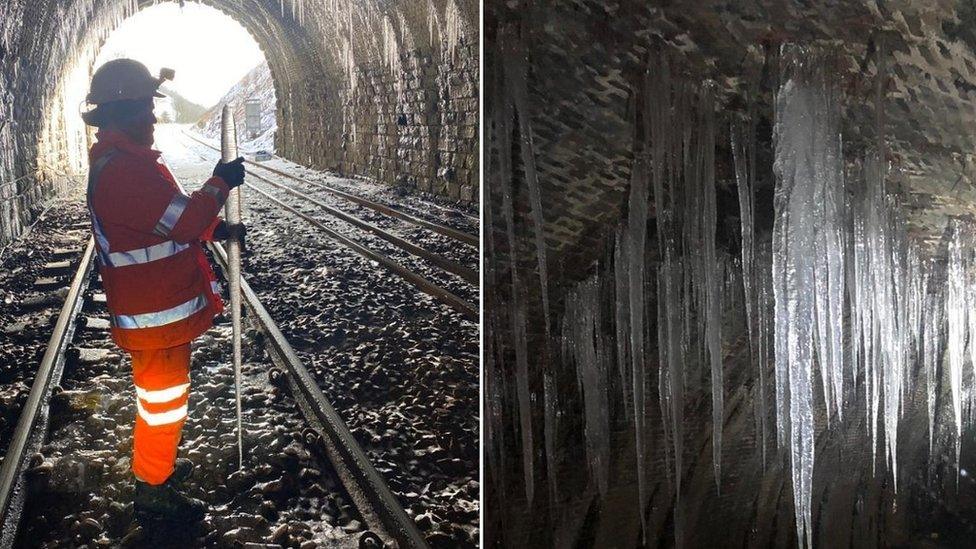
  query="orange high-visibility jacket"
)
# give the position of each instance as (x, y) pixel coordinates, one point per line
(160, 289)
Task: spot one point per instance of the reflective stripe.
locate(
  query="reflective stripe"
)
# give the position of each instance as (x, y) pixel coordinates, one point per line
(93, 173)
(101, 242)
(161, 418)
(215, 286)
(145, 255)
(215, 192)
(162, 395)
(171, 216)
(161, 318)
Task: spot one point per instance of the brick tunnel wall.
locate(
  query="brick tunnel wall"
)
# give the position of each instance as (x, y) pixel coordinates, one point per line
(584, 62)
(426, 136)
(382, 90)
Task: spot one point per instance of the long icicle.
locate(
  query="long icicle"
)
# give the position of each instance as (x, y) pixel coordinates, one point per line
(518, 84)
(806, 243)
(956, 312)
(504, 132)
(713, 277)
(637, 229)
(743, 156)
(932, 327)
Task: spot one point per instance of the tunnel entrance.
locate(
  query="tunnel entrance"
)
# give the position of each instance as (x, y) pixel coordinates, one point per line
(384, 92)
(216, 60)
(361, 284)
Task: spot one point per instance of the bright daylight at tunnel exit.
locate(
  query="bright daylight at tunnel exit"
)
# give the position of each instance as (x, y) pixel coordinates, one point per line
(239, 271)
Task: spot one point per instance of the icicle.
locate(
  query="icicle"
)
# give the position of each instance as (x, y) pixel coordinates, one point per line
(675, 373)
(712, 279)
(970, 285)
(806, 255)
(886, 282)
(518, 86)
(432, 28)
(932, 327)
(621, 316)
(581, 324)
(743, 138)
(863, 301)
(664, 378)
(504, 132)
(390, 50)
(956, 313)
(453, 28)
(551, 425)
(670, 153)
(763, 336)
(637, 231)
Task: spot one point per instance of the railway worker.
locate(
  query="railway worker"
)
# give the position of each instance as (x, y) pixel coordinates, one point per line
(160, 288)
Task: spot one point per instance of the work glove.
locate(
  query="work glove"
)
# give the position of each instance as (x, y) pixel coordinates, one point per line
(231, 231)
(231, 172)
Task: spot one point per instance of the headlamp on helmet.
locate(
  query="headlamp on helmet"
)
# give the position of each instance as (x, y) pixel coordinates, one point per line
(121, 80)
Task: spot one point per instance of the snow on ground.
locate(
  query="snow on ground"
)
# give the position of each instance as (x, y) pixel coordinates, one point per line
(461, 218)
(257, 84)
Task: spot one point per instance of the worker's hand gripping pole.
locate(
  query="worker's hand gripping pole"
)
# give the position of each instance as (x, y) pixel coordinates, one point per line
(232, 215)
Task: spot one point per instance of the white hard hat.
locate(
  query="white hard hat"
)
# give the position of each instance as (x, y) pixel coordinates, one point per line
(122, 79)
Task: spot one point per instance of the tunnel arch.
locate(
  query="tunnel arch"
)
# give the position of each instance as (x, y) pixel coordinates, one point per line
(363, 89)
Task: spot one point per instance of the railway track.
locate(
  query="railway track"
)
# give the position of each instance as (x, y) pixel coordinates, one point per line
(29, 449)
(460, 236)
(422, 283)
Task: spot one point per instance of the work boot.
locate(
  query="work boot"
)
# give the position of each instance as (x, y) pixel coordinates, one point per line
(165, 501)
(182, 470)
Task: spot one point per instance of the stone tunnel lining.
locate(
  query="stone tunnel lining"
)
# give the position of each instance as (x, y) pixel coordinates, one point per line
(378, 89)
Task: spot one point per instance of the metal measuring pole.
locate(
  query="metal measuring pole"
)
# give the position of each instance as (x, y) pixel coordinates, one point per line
(232, 216)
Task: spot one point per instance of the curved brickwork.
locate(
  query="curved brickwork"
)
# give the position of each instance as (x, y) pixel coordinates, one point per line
(584, 57)
(386, 90)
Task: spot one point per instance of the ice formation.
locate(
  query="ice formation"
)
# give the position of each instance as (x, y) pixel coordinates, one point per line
(828, 235)
(801, 154)
(712, 276)
(956, 312)
(634, 242)
(585, 347)
(518, 86)
(743, 136)
(680, 132)
(932, 333)
(843, 309)
(517, 310)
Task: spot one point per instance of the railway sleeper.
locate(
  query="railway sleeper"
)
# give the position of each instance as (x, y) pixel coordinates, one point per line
(79, 486)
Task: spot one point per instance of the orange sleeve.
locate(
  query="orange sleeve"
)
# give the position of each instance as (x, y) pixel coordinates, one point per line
(207, 235)
(150, 203)
(200, 211)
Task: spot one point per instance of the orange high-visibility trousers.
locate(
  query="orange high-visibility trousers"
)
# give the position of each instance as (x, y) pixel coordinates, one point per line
(162, 380)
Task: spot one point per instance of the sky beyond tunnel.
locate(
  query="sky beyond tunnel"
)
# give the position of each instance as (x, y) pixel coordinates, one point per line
(209, 51)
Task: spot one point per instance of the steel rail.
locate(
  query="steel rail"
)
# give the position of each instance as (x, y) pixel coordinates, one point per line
(376, 503)
(443, 230)
(27, 439)
(378, 506)
(453, 267)
(441, 294)
(437, 292)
